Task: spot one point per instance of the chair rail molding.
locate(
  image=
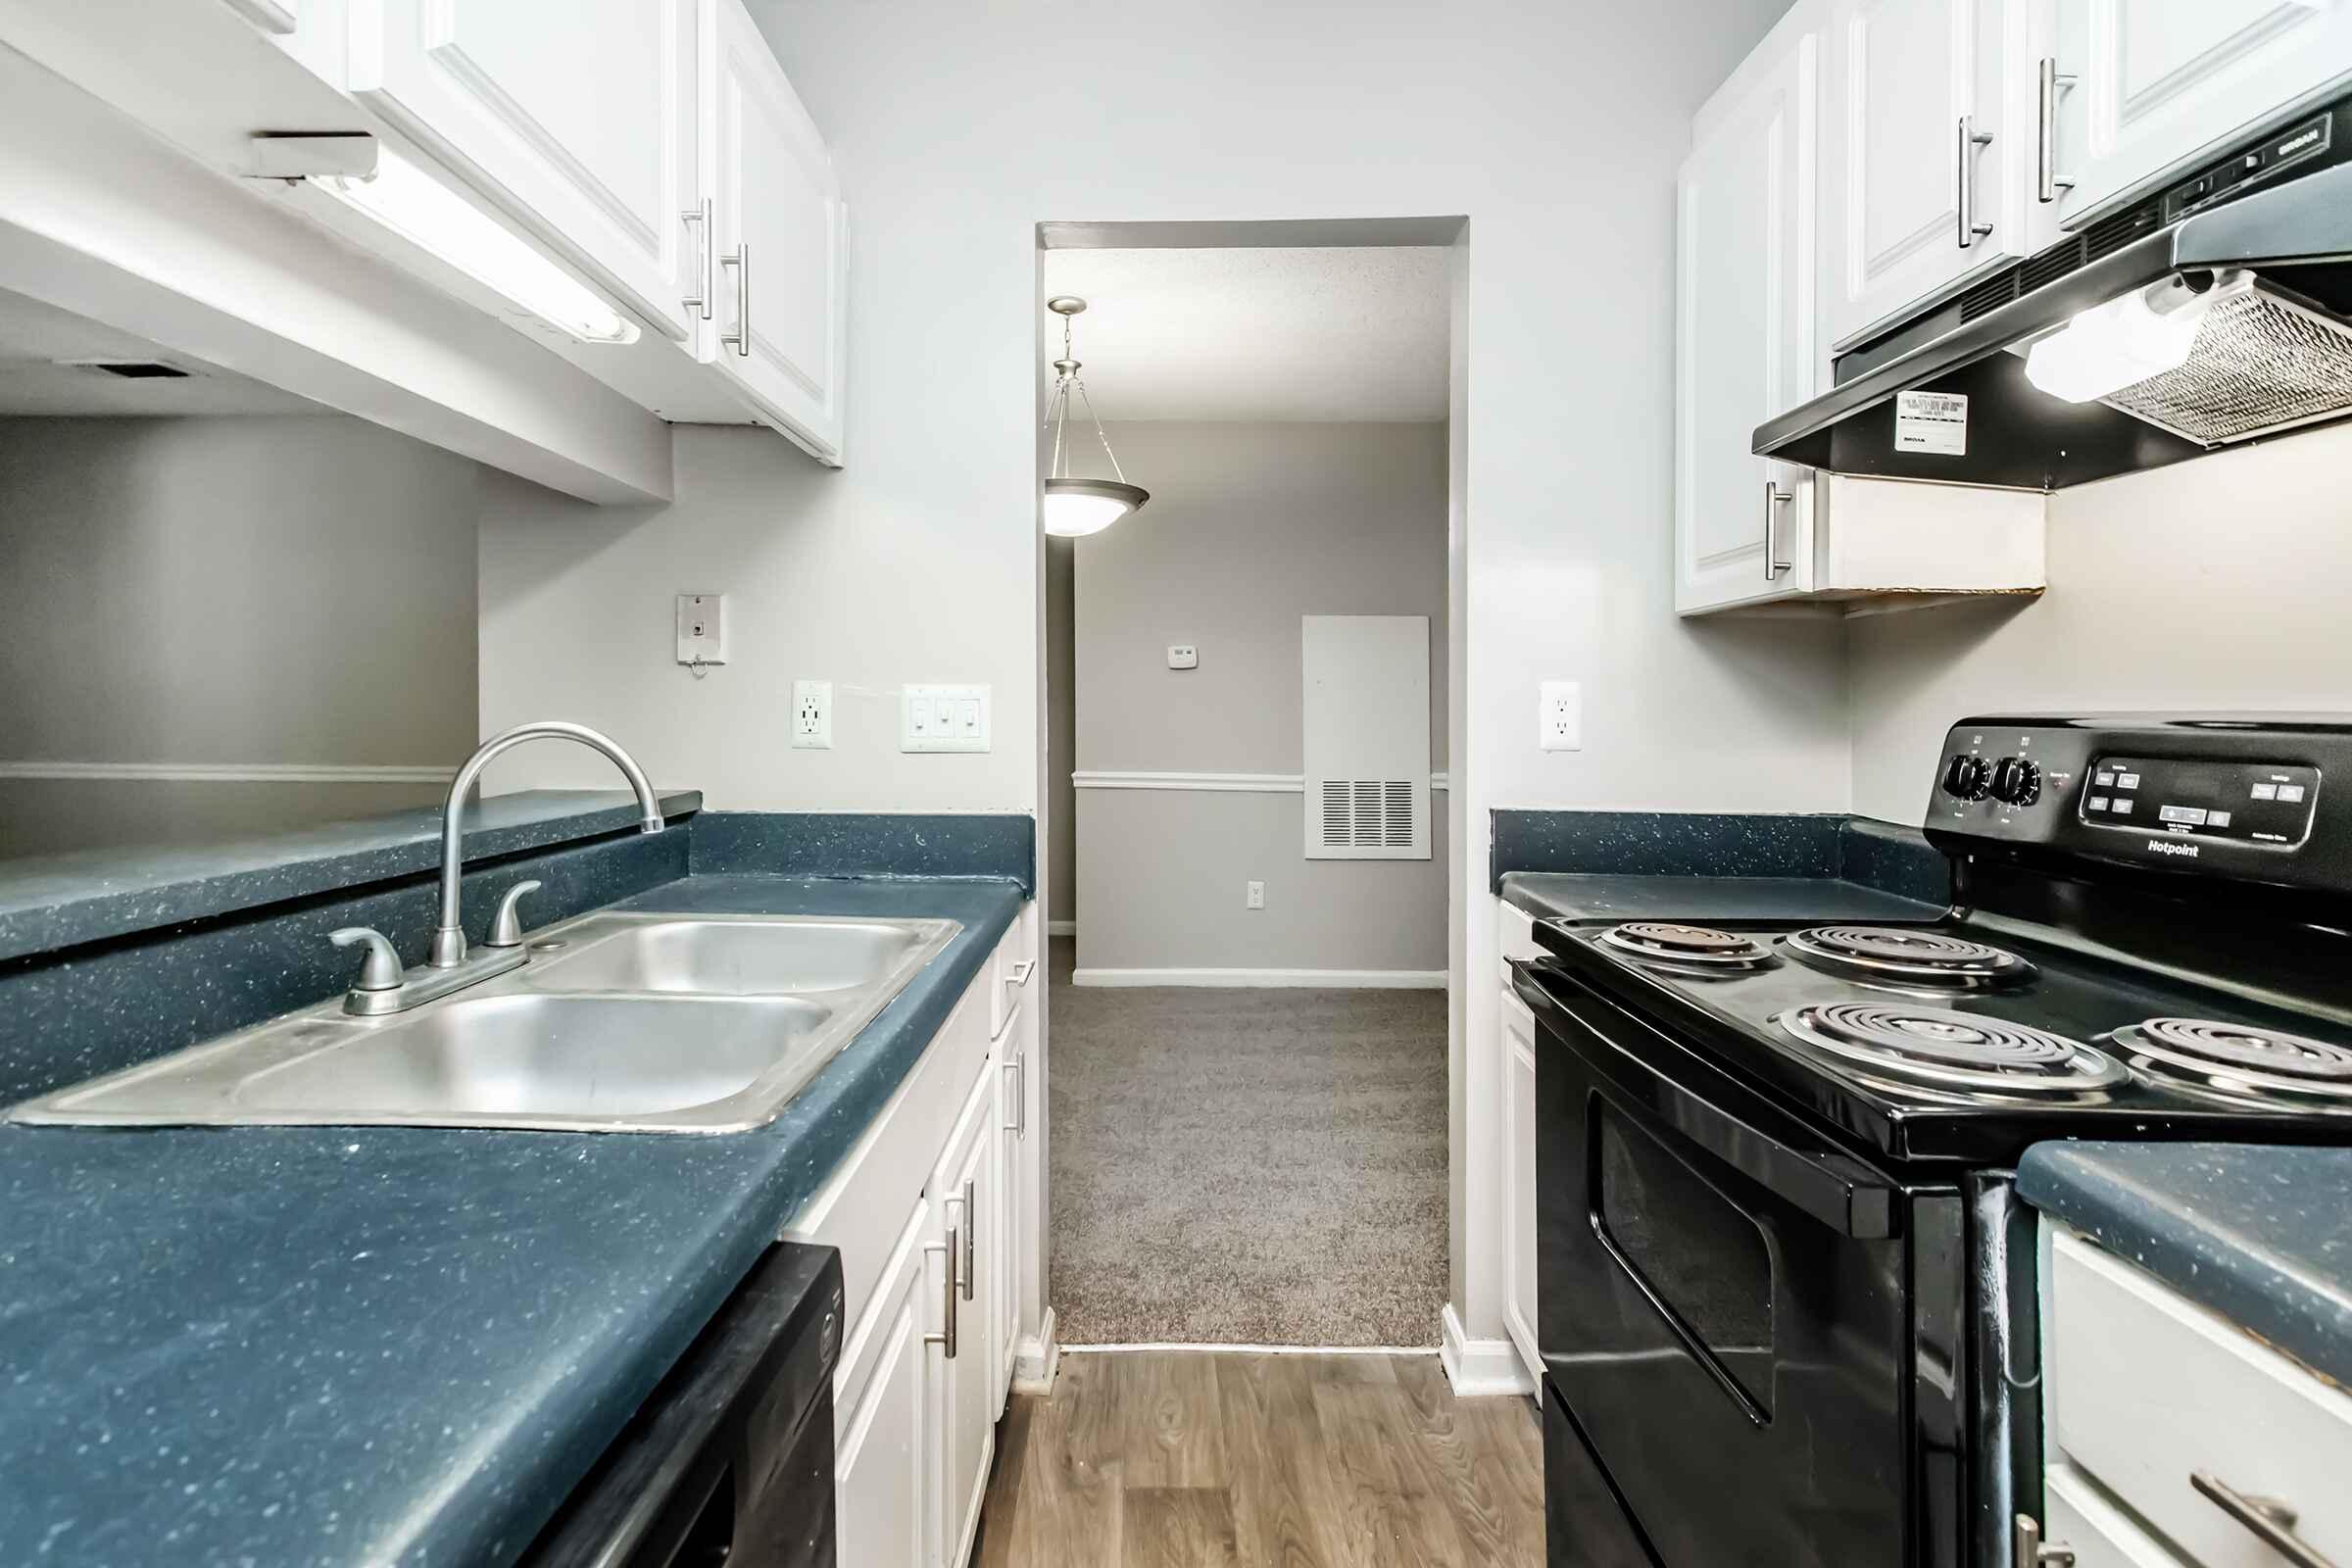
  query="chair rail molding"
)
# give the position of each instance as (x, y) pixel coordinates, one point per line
(1246, 783)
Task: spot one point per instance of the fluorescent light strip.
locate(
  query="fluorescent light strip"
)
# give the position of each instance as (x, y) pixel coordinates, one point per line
(406, 199)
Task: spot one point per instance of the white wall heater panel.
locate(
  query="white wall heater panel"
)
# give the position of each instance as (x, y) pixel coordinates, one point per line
(1366, 740)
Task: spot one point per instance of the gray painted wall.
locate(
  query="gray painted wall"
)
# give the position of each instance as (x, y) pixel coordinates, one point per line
(227, 590)
(1249, 527)
(2218, 583)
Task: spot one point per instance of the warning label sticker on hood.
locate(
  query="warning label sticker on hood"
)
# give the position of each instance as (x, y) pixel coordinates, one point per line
(1935, 423)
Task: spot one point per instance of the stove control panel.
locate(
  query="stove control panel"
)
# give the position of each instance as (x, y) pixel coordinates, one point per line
(2253, 803)
(2215, 796)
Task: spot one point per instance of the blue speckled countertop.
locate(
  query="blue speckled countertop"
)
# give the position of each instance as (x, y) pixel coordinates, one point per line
(2261, 1234)
(1591, 896)
(339, 1345)
(58, 901)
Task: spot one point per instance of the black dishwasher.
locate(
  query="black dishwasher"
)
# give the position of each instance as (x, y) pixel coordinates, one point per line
(730, 1459)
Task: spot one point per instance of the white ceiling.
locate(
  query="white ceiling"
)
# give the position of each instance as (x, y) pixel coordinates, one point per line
(1323, 335)
(35, 337)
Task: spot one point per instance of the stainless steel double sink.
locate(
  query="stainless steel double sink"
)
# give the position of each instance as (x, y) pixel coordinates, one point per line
(619, 1023)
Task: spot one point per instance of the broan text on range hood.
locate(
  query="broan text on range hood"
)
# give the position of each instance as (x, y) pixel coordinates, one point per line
(2235, 277)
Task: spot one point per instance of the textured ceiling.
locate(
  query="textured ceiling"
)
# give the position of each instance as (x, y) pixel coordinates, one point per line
(35, 336)
(1331, 334)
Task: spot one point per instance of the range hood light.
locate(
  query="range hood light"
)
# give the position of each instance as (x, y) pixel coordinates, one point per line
(2119, 344)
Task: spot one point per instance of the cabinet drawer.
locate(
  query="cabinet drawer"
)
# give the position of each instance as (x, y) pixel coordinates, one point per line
(1012, 972)
(2147, 1388)
(2076, 1516)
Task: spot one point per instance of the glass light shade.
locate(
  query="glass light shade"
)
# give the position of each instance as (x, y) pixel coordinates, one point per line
(412, 204)
(1076, 508)
(2119, 344)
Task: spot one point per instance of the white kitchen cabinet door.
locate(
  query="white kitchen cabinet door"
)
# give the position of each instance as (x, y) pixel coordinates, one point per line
(964, 1191)
(1011, 1137)
(883, 1434)
(2162, 83)
(1744, 337)
(1519, 1181)
(778, 327)
(1925, 153)
(577, 122)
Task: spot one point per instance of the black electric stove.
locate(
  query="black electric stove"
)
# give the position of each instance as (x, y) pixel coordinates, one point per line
(1784, 1288)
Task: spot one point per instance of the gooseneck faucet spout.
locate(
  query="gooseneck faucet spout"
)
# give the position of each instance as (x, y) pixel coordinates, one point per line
(449, 931)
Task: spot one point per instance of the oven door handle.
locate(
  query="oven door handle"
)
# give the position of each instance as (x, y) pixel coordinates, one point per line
(1841, 1191)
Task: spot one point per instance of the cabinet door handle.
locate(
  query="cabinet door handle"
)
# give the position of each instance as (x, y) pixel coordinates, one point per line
(971, 1233)
(2268, 1517)
(946, 1337)
(2049, 181)
(740, 259)
(698, 220)
(1965, 173)
(1019, 1125)
(1020, 974)
(2027, 1552)
(1775, 563)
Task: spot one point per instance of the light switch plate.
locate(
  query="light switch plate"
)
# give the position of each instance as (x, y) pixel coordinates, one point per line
(813, 714)
(1560, 717)
(943, 718)
(701, 628)
(1183, 656)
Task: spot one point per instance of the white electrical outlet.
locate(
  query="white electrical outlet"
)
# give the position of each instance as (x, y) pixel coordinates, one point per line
(943, 718)
(701, 628)
(1253, 895)
(813, 714)
(1183, 656)
(1560, 717)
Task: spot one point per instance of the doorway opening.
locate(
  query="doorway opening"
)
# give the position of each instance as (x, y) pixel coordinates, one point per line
(1247, 824)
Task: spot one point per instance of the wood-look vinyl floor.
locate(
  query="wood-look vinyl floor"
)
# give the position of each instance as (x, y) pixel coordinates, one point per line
(1205, 1459)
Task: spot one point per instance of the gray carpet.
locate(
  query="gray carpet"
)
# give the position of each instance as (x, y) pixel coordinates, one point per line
(1247, 1167)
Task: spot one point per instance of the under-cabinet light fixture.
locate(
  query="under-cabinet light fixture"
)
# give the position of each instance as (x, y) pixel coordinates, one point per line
(393, 191)
(2121, 343)
(1075, 507)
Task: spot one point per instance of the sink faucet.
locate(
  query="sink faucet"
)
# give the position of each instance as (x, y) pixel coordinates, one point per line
(449, 931)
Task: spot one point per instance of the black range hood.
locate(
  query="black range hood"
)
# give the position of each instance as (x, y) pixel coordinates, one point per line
(2266, 228)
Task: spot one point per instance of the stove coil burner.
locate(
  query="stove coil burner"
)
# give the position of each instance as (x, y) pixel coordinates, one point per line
(1686, 947)
(1894, 956)
(2243, 1063)
(1952, 1051)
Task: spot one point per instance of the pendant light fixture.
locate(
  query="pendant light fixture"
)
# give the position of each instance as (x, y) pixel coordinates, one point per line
(1076, 508)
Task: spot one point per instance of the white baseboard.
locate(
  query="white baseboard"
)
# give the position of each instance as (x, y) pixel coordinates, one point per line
(1479, 1368)
(1062, 928)
(1247, 979)
(1035, 1358)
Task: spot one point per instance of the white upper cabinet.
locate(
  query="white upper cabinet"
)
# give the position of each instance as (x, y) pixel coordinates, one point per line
(1745, 329)
(778, 310)
(2156, 82)
(1927, 153)
(578, 121)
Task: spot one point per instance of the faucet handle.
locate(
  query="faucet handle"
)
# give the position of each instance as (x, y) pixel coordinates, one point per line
(506, 925)
(381, 970)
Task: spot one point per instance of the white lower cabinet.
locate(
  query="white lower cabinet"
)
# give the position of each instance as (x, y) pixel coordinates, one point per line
(964, 1190)
(2172, 1432)
(882, 1447)
(1519, 1179)
(928, 1211)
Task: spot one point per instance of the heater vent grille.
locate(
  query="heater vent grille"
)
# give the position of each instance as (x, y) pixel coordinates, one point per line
(2261, 362)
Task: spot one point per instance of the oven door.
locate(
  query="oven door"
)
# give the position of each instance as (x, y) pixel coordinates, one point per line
(1722, 1302)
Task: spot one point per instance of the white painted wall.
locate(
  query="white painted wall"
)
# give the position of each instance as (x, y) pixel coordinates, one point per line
(1252, 525)
(229, 591)
(2218, 583)
(957, 128)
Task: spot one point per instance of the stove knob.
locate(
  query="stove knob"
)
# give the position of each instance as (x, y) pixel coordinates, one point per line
(1967, 776)
(2017, 781)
